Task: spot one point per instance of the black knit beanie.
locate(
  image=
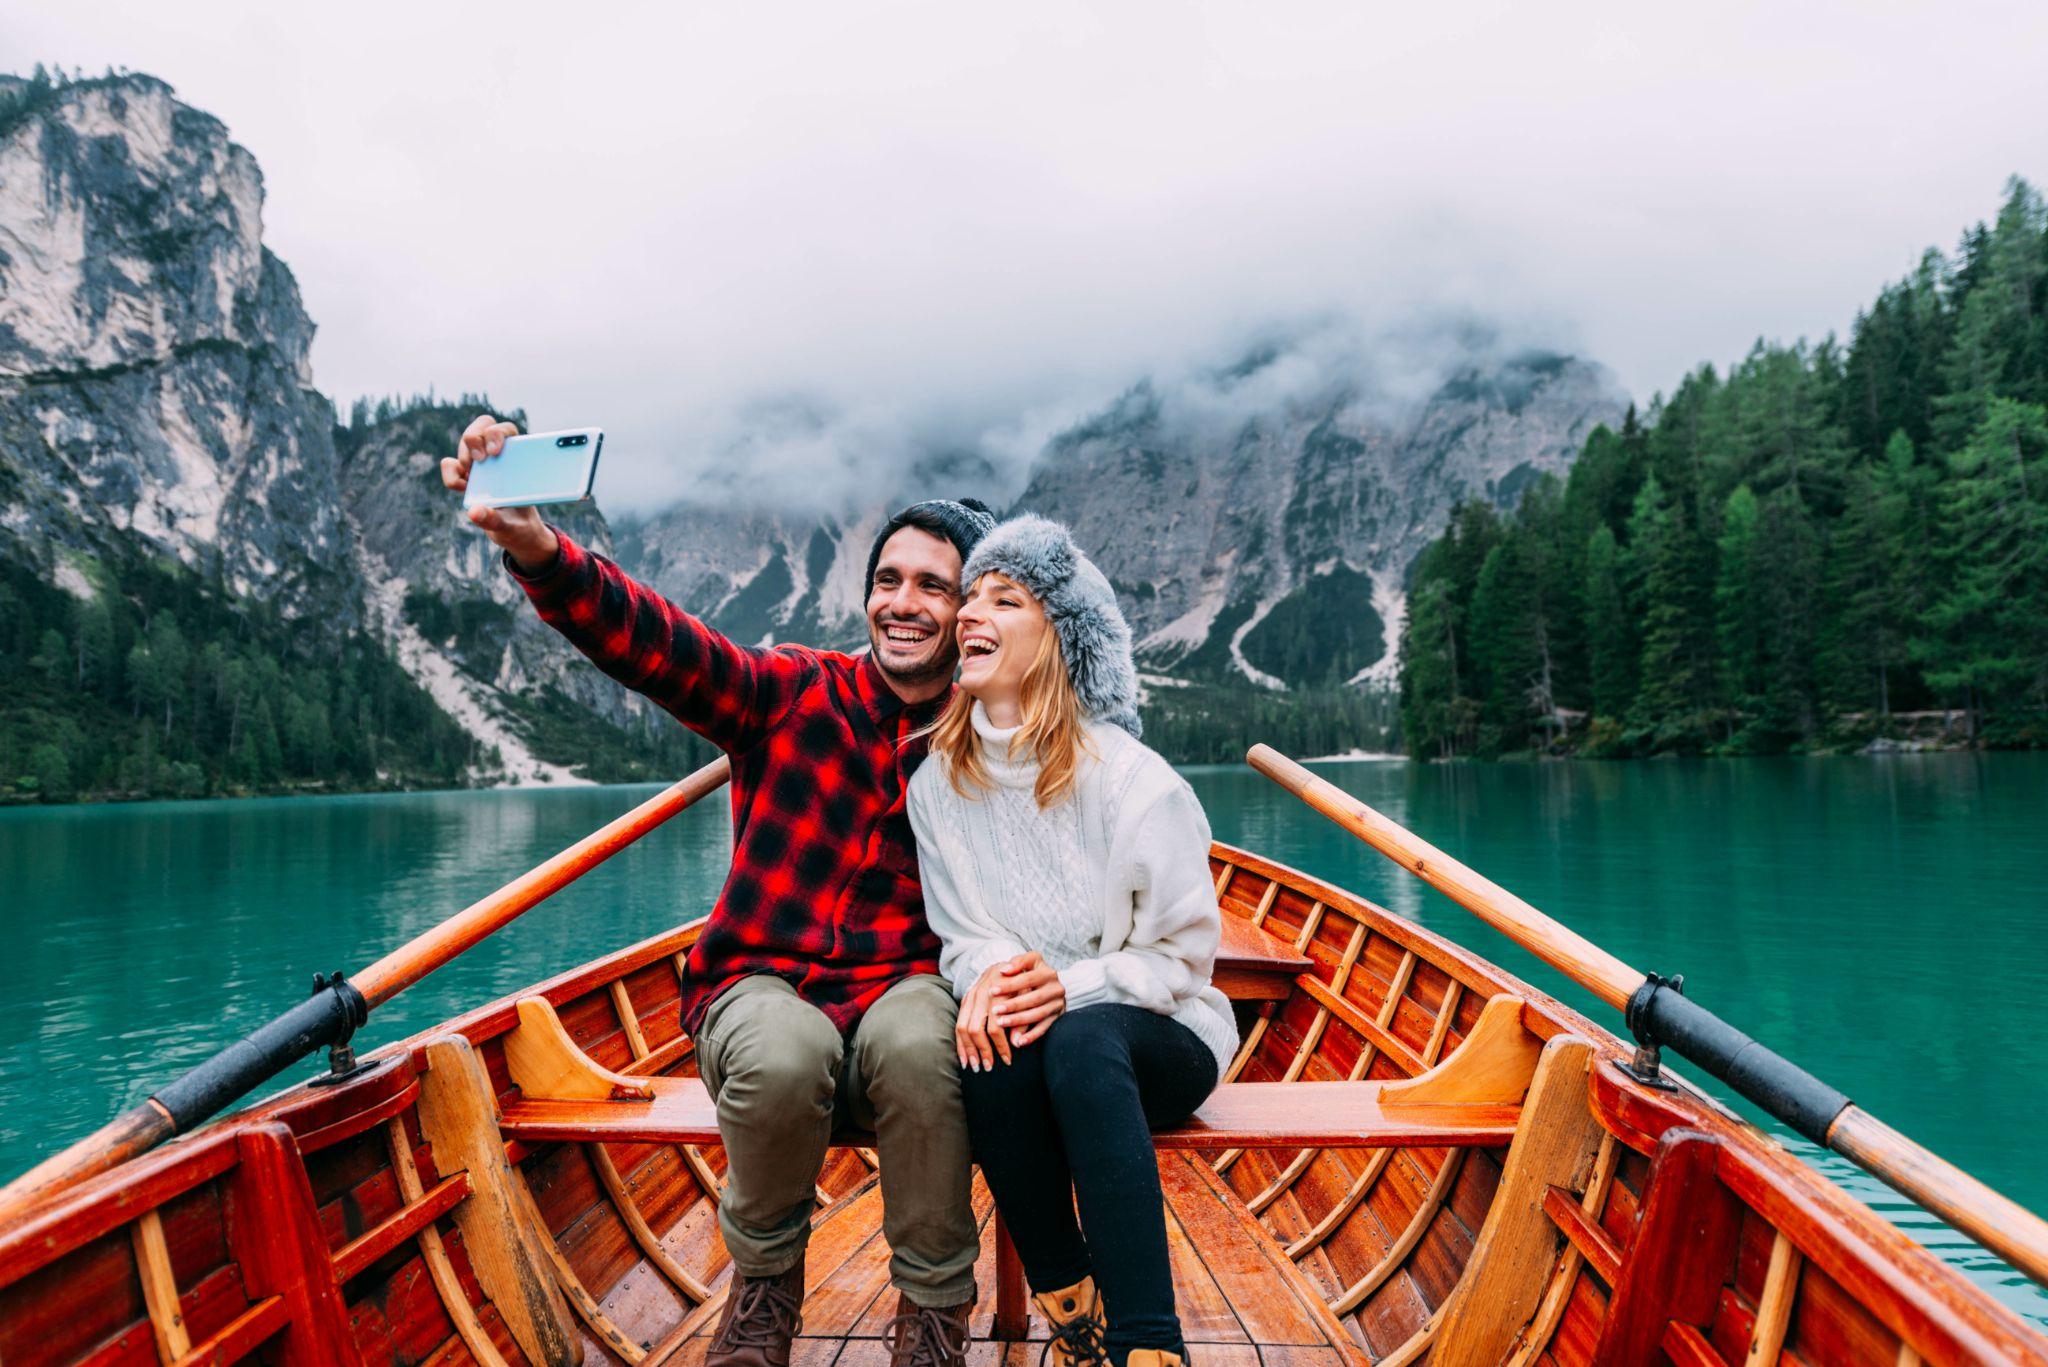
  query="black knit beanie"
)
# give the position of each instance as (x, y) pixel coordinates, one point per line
(964, 522)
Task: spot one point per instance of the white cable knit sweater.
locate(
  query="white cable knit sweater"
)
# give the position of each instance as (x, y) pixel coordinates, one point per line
(1111, 884)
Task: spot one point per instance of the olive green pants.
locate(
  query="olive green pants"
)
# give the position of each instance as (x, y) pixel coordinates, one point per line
(783, 1077)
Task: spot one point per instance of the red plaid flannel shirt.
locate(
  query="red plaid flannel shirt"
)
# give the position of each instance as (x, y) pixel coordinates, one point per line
(824, 886)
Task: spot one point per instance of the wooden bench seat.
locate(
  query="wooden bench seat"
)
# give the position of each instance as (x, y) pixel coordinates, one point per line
(1239, 1115)
(1255, 965)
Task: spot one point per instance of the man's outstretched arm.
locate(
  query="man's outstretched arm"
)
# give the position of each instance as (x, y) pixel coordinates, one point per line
(729, 694)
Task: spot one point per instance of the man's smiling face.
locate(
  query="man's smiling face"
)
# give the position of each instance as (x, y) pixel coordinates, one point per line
(911, 609)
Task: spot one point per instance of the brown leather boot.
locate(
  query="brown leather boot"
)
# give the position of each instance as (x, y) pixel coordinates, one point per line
(927, 1336)
(761, 1319)
(1075, 1314)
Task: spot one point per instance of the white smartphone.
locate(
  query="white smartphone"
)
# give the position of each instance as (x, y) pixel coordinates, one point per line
(540, 467)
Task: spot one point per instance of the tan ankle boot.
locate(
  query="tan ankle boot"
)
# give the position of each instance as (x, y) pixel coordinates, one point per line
(1155, 1357)
(1075, 1314)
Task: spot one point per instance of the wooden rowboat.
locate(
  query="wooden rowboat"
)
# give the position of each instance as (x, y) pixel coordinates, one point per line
(1416, 1157)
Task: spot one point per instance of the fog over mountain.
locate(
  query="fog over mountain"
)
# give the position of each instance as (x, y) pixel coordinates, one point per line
(810, 455)
(906, 227)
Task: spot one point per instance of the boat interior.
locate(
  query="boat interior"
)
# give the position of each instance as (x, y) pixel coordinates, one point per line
(1415, 1157)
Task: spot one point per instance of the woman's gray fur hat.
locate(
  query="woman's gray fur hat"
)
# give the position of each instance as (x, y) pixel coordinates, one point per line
(1080, 604)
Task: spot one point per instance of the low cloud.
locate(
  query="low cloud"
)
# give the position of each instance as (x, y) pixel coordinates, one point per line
(816, 455)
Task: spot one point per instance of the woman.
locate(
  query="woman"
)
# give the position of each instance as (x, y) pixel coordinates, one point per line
(1066, 869)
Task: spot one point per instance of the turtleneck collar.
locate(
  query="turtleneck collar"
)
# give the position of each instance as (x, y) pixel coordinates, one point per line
(1011, 771)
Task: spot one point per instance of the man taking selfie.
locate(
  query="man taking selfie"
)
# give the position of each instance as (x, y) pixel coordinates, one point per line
(813, 992)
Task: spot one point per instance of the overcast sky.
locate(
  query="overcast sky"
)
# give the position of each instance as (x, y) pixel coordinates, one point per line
(961, 222)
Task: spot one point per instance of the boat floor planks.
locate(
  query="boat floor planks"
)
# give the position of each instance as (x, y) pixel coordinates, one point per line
(1236, 1294)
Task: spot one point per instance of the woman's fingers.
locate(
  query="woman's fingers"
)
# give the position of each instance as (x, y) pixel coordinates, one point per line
(971, 1030)
(1021, 1013)
(1031, 980)
(1022, 1037)
(1010, 1008)
(1018, 1020)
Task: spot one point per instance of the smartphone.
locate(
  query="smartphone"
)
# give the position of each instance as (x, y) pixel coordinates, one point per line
(540, 467)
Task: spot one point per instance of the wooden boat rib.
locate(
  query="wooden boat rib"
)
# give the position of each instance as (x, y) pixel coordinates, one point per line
(1418, 1157)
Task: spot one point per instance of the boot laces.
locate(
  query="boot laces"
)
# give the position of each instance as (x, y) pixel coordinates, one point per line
(926, 1337)
(765, 1315)
(1081, 1336)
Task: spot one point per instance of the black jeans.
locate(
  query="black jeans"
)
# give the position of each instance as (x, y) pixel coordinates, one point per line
(1070, 1121)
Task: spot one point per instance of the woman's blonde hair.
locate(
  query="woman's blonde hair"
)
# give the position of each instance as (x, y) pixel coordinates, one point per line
(1051, 731)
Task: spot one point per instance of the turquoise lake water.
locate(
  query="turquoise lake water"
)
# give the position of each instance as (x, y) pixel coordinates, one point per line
(1882, 921)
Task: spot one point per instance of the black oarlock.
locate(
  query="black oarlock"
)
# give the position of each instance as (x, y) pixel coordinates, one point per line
(341, 1053)
(329, 1017)
(1647, 1067)
(1660, 1016)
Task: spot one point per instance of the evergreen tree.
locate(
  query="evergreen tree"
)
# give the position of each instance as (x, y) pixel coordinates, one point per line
(1670, 563)
(173, 661)
(1610, 634)
(1988, 634)
(1827, 530)
(53, 656)
(1864, 639)
(93, 633)
(1787, 569)
(1738, 607)
(143, 684)
(51, 770)
(1436, 716)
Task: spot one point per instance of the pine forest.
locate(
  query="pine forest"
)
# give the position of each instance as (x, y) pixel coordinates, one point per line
(1830, 547)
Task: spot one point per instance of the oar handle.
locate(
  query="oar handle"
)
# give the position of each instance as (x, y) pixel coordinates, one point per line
(2006, 1228)
(1999, 1223)
(1558, 945)
(415, 959)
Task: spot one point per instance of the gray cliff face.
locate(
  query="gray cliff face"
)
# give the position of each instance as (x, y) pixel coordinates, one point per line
(154, 372)
(437, 588)
(1269, 545)
(156, 393)
(759, 576)
(1241, 546)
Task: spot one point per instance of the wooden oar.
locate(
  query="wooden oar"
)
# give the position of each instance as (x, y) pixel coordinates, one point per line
(2000, 1224)
(410, 962)
(336, 1010)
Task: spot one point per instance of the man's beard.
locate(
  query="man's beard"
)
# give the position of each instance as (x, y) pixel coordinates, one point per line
(941, 665)
(938, 669)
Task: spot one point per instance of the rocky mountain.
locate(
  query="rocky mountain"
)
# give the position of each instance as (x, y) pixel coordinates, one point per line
(1272, 542)
(155, 379)
(156, 394)
(434, 589)
(1253, 535)
(157, 399)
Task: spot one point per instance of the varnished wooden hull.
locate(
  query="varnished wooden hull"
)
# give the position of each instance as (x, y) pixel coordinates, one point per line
(384, 1222)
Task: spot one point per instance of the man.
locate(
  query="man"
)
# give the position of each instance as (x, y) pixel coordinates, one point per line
(813, 992)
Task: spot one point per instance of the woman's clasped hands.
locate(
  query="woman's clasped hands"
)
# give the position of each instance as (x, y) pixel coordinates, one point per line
(1011, 1004)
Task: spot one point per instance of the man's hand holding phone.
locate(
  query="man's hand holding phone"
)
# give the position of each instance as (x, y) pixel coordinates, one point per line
(522, 534)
